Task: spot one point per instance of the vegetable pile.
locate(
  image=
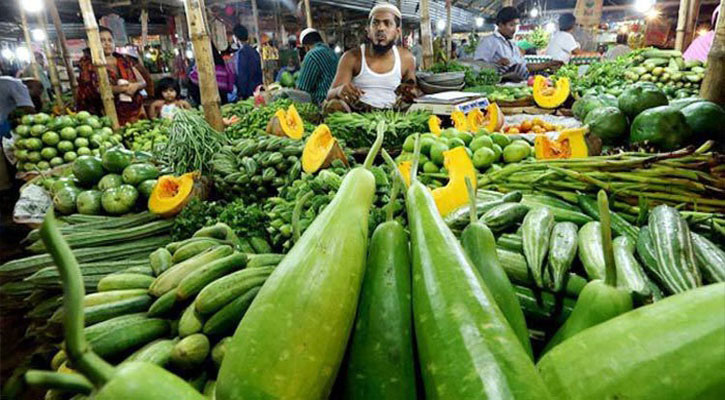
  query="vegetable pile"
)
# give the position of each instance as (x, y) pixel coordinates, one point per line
(253, 122)
(192, 143)
(44, 142)
(358, 130)
(146, 134)
(502, 94)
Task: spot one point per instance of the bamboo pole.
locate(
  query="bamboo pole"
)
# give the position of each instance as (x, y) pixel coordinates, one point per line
(713, 86)
(210, 100)
(99, 61)
(144, 29)
(29, 43)
(54, 79)
(63, 46)
(681, 24)
(693, 15)
(425, 34)
(255, 16)
(308, 13)
(449, 35)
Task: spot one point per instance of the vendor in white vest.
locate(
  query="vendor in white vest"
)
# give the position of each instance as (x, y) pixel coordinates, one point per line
(368, 76)
(562, 44)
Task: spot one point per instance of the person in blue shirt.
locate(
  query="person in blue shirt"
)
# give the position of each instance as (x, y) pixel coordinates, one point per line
(248, 65)
(499, 49)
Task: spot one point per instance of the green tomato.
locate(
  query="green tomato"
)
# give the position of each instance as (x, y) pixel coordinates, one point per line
(83, 151)
(21, 154)
(34, 156)
(43, 165)
(81, 142)
(96, 141)
(56, 161)
(29, 166)
(70, 156)
(38, 130)
(48, 153)
(483, 158)
(65, 146)
(22, 130)
(50, 138)
(33, 144)
(85, 131)
(68, 133)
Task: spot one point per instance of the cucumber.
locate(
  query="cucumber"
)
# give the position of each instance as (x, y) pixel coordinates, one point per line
(190, 351)
(710, 259)
(560, 214)
(562, 252)
(260, 245)
(629, 273)
(123, 281)
(160, 261)
(591, 250)
(103, 312)
(198, 279)
(157, 352)
(227, 319)
(460, 332)
(173, 246)
(263, 260)
(189, 250)
(504, 216)
(632, 356)
(190, 322)
(313, 295)
(163, 304)
(223, 290)
(143, 270)
(535, 233)
(511, 242)
(171, 277)
(673, 249)
(112, 324)
(381, 363)
(646, 253)
(111, 296)
(219, 231)
(459, 217)
(128, 337)
(220, 350)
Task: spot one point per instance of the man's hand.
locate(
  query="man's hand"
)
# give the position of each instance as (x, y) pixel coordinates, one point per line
(350, 93)
(503, 61)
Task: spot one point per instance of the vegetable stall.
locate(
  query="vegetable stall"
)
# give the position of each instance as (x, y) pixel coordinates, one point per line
(559, 239)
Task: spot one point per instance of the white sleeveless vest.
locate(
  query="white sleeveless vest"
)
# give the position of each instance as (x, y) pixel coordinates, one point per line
(379, 88)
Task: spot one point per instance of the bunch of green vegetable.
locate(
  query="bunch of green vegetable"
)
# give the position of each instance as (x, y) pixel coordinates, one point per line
(254, 122)
(484, 76)
(192, 143)
(669, 71)
(448, 66)
(539, 37)
(357, 130)
(253, 169)
(497, 94)
(238, 109)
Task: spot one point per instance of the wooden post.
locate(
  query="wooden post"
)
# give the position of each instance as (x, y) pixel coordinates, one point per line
(681, 24)
(255, 16)
(449, 34)
(693, 14)
(280, 26)
(210, 100)
(54, 79)
(144, 29)
(425, 34)
(713, 86)
(99, 61)
(26, 33)
(63, 46)
(308, 13)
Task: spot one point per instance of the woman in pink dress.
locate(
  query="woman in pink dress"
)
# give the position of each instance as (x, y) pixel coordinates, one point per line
(700, 47)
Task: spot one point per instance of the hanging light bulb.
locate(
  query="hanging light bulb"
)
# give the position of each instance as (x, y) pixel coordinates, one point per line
(189, 54)
(441, 24)
(534, 12)
(479, 22)
(32, 6)
(23, 54)
(338, 50)
(643, 5)
(38, 35)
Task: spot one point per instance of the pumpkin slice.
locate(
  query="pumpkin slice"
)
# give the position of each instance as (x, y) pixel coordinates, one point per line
(434, 125)
(491, 121)
(404, 167)
(476, 119)
(569, 144)
(459, 121)
(172, 193)
(286, 123)
(321, 150)
(455, 193)
(550, 97)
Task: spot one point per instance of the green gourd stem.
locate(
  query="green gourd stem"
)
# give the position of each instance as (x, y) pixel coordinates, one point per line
(416, 158)
(375, 148)
(610, 274)
(296, 215)
(60, 381)
(393, 196)
(472, 199)
(396, 171)
(89, 363)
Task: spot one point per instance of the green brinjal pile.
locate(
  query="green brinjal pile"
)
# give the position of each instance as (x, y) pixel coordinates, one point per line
(254, 169)
(615, 309)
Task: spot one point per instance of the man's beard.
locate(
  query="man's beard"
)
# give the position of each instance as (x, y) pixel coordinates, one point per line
(380, 49)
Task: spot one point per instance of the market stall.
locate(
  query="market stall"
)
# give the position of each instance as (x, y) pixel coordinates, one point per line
(561, 237)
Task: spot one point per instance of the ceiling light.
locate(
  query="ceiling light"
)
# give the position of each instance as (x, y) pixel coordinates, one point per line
(38, 35)
(32, 6)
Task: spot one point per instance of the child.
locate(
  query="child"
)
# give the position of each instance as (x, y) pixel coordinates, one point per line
(168, 91)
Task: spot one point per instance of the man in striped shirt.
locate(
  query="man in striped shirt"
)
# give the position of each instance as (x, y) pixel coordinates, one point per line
(318, 67)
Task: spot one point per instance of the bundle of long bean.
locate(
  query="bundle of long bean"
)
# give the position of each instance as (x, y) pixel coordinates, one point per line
(358, 130)
(192, 143)
(690, 179)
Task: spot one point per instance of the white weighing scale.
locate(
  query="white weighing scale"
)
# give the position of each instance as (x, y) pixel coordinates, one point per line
(445, 103)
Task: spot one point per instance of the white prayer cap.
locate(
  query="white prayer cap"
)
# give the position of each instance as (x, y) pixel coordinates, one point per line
(306, 32)
(385, 7)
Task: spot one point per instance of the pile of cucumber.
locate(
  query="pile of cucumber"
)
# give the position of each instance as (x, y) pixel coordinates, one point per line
(669, 71)
(256, 168)
(177, 309)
